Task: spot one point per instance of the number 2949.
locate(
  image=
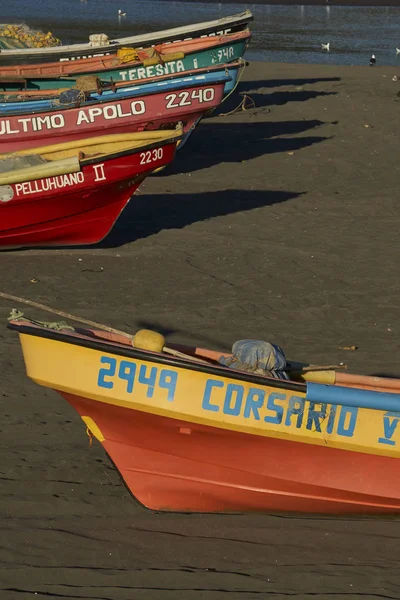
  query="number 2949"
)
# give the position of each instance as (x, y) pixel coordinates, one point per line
(137, 378)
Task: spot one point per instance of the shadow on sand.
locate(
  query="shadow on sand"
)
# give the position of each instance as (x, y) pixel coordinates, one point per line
(247, 86)
(266, 100)
(148, 215)
(213, 143)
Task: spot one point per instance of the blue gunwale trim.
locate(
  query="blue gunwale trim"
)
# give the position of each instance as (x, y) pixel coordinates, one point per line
(131, 91)
(344, 396)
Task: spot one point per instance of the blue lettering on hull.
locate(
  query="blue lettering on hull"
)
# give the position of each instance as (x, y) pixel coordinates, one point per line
(277, 408)
(153, 378)
(235, 400)
(390, 422)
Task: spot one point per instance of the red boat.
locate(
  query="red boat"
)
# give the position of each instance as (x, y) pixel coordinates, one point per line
(158, 110)
(72, 193)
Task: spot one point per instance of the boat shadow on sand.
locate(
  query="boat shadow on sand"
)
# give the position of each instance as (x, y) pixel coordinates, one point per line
(259, 99)
(213, 143)
(142, 218)
(257, 86)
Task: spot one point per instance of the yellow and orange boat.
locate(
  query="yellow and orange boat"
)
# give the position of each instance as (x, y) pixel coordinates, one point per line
(188, 433)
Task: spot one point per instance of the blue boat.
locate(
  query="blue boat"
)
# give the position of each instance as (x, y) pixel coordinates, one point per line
(229, 74)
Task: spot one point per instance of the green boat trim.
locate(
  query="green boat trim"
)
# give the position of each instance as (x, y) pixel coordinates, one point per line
(220, 54)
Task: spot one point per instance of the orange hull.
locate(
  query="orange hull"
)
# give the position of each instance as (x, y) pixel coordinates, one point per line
(176, 466)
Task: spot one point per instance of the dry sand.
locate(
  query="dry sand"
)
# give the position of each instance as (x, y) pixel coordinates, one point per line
(278, 222)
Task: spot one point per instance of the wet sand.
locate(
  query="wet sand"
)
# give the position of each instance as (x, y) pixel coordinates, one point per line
(279, 222)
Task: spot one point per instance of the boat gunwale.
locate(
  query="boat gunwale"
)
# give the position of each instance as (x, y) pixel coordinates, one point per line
(243, 36)
(219, 81)
(154, 357)
(93, 159)
(133, 150)
(164, 135)
(53, 94)
(236, 19)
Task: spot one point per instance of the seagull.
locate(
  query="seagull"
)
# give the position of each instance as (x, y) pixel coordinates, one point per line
(121, 14)
(397, 51)
(372, 61)
(326, 47)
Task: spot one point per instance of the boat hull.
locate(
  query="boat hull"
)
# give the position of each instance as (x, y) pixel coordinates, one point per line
(172, 465)
(199, 437)
(47, 76)
(222, 26)
(160, 110)
(79, 208)
(35, 101)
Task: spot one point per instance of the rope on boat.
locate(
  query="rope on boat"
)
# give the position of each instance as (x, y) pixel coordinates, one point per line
(241, 106)
(179, 354)
(107, 328)
(66, 315)
(246, 97)
(238, 79)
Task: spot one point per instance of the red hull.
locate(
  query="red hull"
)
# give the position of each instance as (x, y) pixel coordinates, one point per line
(172, 465)
(150, 112)
(80, 208)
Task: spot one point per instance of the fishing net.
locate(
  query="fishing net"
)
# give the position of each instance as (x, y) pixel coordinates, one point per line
(127, 54)
(22, 36)
(85, 84)
(98, 39)
(148, 56)
(71, 96)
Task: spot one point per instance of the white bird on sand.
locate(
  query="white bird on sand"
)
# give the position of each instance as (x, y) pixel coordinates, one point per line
(397, 51)
(372, 61)
(326, 47)
(121, 14)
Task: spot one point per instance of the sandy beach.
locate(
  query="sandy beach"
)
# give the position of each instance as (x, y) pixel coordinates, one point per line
(278, 222)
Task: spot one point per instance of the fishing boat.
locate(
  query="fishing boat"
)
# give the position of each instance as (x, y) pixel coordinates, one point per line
(132, 108)
(217, 27)
(196, 430)
(95, 89)
(129, 64)
(72, 193)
